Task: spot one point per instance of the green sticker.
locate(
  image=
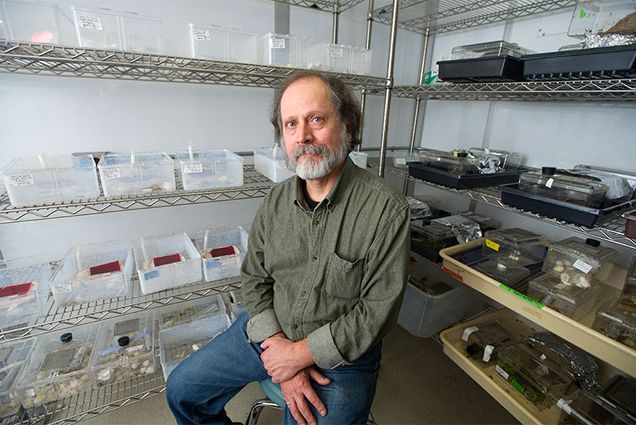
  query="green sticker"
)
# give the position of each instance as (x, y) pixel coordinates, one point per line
(522, 296)
(582, 13)
(517, 386)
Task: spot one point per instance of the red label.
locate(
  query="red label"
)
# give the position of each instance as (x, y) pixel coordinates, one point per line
(113, 266)
(166, 259)
(452, 274)
(18, 289)
(223, 250)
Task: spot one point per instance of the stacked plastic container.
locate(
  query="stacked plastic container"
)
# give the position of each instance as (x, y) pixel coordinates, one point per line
(24, 287)
(222, 252)
(210, 169)
(137, 173)
(222, 44)
(271, 163)
(13, 357)
(30, 21)
(278, 50)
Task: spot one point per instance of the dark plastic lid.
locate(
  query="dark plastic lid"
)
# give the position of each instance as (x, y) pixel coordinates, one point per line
(66, 337)
(592, 242)
(123, 341)
(548, 170)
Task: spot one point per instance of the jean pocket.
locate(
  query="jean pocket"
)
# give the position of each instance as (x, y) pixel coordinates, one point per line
(343, 277)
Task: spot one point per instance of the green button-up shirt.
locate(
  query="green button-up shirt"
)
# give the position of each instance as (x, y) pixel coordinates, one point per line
(334, 275)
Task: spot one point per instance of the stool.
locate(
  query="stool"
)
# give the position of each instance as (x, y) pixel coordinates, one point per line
(274, 400)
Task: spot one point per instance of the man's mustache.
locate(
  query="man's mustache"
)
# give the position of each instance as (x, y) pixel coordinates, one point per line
(309, 149)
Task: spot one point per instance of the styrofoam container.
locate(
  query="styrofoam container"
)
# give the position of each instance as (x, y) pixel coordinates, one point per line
(74, 284)
(271, 163)
(30, 21)
(142, 34)
(50, 179)
(147, 173)
(278, 50)
(207, 42)
(360, 61)
(98, 28)
(178, 342)
(13, 357)
(359, 158)
(19, 301)
(158, 278)
(210, 169)
(240, 46)
(175, 314)
(221, 267)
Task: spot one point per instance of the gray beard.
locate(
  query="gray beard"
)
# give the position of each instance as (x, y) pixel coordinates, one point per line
(310, 169)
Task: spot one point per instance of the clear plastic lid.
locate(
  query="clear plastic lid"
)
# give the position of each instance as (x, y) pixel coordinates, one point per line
(603, 17)
(488, 49)
(129, 336)
(588, 409)
(569, 300)
(496, 160)
(620, 392)
(457, 161)
(621, 184)
(435, 232)
(577, 258)
(515, 243)
(13, 356)
(550, 178)
(503, 272)
(616, 323)
(32, 164)
(488, 334)
(179, 313)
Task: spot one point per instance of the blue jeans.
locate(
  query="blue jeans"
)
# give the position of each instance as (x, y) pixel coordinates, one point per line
(200, 387)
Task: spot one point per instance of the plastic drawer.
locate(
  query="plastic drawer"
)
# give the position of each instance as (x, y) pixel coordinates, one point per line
(220, 265)
(360, 61)
(271, 163)
(207, 42)
(142, 173)
(210, 169)
(24, 288)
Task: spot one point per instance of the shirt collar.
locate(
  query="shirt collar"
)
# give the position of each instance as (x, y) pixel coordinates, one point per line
(332, 196)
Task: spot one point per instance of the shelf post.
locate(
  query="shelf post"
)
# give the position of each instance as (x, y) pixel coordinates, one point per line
(418, 100)
(363, 95)
(336, 17)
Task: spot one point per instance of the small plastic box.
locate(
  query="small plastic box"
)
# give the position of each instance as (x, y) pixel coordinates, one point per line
(142, 173)
(627, 299)
(514, 244)
(124, 349)
(207, 42)
(178, 342)
(165, 262)
(616, 323)
(484, 342)
(271, 163)
(240, 46)
(504, 270)
(50, 179)
(501, 160)
(569, 300)
(454, 162)
(588, 409)
(489, 49)
(602, 17)
(93, 272)
(142, 34)
(24, 288)
(175, 314)
(359, 158)
(430, 239)
(278, 50)
(313, 54)
(30, 21)
(360, 61)
(339, 59)
(13, 357)
(210, 169)
(223, 264)
(621, 184)
(619, 393)
(58, 366)
(576, 261)
(98, 28)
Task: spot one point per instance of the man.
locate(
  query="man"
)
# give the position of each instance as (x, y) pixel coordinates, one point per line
(322, 279)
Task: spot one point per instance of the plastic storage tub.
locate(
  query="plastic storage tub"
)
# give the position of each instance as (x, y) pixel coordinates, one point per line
(271, 163)
(165, 262)
(124, 349)
(569, 300)
(339, 58)
(208, 42)
(222, 251)
(428, 240)
(13, 357)
(34, 22)
(142, 173)
(359, 158)
(483, 342)
(24, 288)
(210, 169)
(50, 179)
(278, 50)
(360, 61)
(93, 272)
(142, 34)
(621, 184)
(175, 314)
(98, 28)
(515, 244)
(491, 160)
(58, 367)
(236, 304)
(627, 299)
(312, 54)
(240, 46)
(616, 323)
(178, 342)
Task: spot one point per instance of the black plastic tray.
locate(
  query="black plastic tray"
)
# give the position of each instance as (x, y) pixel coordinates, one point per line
(461, 181)
(597, 63)
(572, 213)
(481, 70)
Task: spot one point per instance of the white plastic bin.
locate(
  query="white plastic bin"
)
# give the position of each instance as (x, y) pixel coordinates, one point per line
(145, 173)
(50, 179)
(178, 342)
(360, 61)
(13, 357)
(278, 50)
(24, 288)
(157, 272)
(93, 272)
(30, 21)
(222, 264)
(210, 169)
(207, 42)
(271, 163)
(240, 46)
(98, 28)
(142, 34)
(359, 158)
(175, 314)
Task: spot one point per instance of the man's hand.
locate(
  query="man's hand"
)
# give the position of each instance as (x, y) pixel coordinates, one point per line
(283, 358)
(298, 390)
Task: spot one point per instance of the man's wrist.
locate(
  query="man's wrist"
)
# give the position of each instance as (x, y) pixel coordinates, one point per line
(303, 354)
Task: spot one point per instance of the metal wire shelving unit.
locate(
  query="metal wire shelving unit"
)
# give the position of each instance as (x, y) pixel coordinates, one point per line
(323, 5)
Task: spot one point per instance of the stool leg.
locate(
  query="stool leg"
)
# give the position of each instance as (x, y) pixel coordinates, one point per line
(257, 409)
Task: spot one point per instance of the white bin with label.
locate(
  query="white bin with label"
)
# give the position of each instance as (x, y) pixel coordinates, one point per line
(98, 28)
(50, 179)
(271, 163)
(30, 21)
(278, 50)
(210, 169)
(142, 34)
(222, 251)
(24, 288)
(165, 262)
(93, 272)
(140, 173)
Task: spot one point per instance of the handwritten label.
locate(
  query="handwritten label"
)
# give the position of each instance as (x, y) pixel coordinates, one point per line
(192, 168)
(336, 52)
(277, 43)
(111, 173)
(582, 266)
(548, 184)
(21, 180)
(502, 372)
(201, 35)
(90, 22)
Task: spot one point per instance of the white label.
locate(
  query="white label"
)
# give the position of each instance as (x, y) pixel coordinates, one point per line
(90, 22)
(469, 331)
(111, 173)
(281, 163)
(202, 35)
(543, 357)
(582, 266)
(192, 168)
(336, 52)
(277, 43)
(501, 372)
(487, 353)
(65, 288)
(400, 161)
(548, 184)
(21, 180)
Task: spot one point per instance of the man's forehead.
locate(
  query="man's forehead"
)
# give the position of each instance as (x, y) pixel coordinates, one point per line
(310, 91)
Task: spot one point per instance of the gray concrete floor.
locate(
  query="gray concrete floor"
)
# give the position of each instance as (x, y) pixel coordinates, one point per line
(418, 384)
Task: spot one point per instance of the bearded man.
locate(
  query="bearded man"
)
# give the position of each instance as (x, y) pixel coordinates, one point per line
(322, 278)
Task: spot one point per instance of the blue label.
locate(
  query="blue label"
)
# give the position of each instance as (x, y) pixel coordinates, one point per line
(151, 275)
(212, 264)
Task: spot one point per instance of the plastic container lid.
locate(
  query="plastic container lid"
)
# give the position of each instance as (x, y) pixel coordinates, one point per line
(570, 300)
(514, 236)
(435, 232)
(456, 161)
(589, 251)
(503, 272)
(622, 184)
(559, 180)
(488, 49)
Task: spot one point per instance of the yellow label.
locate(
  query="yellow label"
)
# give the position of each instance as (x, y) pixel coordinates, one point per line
(492, 245)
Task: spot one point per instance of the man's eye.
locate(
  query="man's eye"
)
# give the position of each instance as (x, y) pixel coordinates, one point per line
(290, 124)
(318, 119)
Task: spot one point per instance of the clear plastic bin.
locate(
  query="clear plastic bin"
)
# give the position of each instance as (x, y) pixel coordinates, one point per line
(360, 61)
(621, 184)
(98, 28)
(30, 21)
(457, 162)
(139, 173)
(619, 393)
(236, 304)
(210, 169)
(24, 288)
(489, 49)
(175, 314)
(93, 272)
(503, 270)
(208, 42)
(124, 349)
(142, 34)
(278, 50)
(564, 186)
(240, 46)
(339, 58)
(50, 179)
(627, 299)
(165, 262)
(602, 17)
(359, 158)
(58, 367)
(515, 243)
(588, 409)
(484, 342)
(313, 54)
(223, 250)
(271, 163)
(13, 357)
(496, 160)
(178, 342)
(569, 300)
(616, 323)
(576, 261)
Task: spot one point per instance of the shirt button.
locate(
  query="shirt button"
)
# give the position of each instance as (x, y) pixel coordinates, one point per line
(295, 327)
(314, 259)
(316, 222)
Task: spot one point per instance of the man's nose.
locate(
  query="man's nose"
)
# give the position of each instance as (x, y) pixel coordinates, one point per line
(304, 133)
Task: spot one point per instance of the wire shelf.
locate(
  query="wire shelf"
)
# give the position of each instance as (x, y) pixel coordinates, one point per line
(94, 63)
(441, 16)
(323, 5)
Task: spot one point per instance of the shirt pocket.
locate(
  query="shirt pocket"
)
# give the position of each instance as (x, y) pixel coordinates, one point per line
(343, 277)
